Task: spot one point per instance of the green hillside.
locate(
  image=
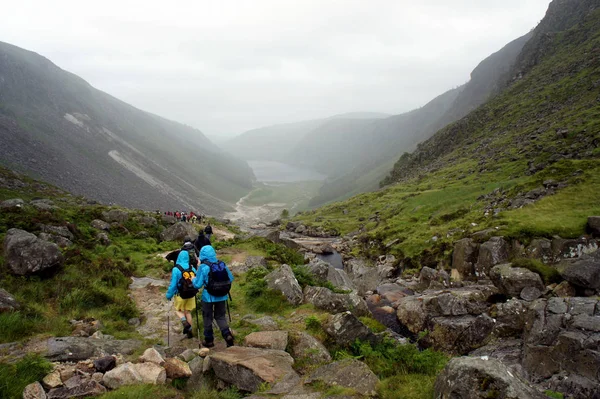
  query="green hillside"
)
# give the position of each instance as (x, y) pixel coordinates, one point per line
(476, 173)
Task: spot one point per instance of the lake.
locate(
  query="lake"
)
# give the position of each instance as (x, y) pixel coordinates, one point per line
(272, 171)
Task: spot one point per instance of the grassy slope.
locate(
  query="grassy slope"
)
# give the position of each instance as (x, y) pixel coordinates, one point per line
(439, 185)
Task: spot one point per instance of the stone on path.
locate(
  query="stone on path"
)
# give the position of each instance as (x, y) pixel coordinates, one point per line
(177, 368)
(267, 340)
(248, 368)
(125, 374)
(151, 373)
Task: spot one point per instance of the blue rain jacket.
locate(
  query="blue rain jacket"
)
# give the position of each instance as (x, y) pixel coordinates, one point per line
(208, 253)
(183, 260)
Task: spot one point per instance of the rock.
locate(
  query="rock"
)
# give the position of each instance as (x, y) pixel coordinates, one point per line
(142, 234)
(564, 289)
(86, 328)
(151, 373)
(459, 334)
(52, 380)
(305, 346)
(178, 232)
(25, 254)
(510, 318)
(512, 280)
(203, 352)
(323, 298)
(177, 368)
(167, 219)
(100, 225)
(7, 302)
(339, 279)
(584, 272)
(148, 221)
(593, 225)
(62, 242)
(319, 268)
(348, 373)
(364, 277)
(125, 374)
(265, 323)
(103, 239)
(249, 368)
(63, 349)
(197, 379)
(105, 364)
(284, 281)
(491, 253)
(475, 378)
(34, 391)
(187, 355)
(267, 340)
(530, 293)
(115, 215)
(255, 261)
(345, 328)
(573, 248)
(86, 389)
(61, 231)
(12, 204)
(540, 248)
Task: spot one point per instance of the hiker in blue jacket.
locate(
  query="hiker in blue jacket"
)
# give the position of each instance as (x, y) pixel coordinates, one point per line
(183, 307)
(212, 306)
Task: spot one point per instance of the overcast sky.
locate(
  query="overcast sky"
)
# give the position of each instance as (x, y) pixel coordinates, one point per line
(229, 66)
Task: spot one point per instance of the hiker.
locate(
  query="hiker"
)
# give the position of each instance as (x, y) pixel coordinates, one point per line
(182, 289)
(201, 241)
(214, 276)
(187, 246)
(208, 231)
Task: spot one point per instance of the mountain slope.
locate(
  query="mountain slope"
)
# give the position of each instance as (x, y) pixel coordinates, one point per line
(526, 163)
(56, 126)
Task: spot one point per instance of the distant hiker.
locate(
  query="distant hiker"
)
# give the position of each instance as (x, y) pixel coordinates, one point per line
(183, 217)
(201, 241)
(182, 288)
(187, 246)
(208, 231)
(216, 278)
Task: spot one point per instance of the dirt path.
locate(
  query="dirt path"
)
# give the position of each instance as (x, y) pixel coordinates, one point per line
(248, 215)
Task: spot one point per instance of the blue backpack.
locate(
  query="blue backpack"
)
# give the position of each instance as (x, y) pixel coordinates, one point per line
(218, 279)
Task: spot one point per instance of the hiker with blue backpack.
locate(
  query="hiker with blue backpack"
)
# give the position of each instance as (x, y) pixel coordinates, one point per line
(182, 288)
(216, 278)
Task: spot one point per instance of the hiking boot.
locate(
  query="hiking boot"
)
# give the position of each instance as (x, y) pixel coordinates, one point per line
(190, 334)
(208, 344)
(187, 328)
(229, 340)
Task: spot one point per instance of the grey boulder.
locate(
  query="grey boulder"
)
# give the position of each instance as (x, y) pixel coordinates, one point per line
(178, 232)
(7, 302)
(584, 272)
(325, 299)
(284, 281)
(115, 215)
(100, 225)
(26, 254)
(513, 280)
(348, 373)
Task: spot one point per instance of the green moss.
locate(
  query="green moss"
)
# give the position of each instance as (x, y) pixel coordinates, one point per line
(549, 274)
(15, 377)
(409, 386)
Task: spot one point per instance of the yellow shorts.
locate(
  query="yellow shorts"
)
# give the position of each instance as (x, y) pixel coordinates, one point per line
(184, 304)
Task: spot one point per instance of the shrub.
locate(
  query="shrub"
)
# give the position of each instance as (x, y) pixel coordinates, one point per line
(15, 377)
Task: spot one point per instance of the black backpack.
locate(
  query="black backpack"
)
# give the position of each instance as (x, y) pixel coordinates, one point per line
(218, 279)
(185, 288)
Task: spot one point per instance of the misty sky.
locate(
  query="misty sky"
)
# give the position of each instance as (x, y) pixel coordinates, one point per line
(229, 66)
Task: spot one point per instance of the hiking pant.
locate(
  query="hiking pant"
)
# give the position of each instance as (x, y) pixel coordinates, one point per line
(218, 311)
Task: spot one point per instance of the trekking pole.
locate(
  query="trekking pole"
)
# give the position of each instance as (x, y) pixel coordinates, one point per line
(168, 330)
(198, 324)
(228, 312)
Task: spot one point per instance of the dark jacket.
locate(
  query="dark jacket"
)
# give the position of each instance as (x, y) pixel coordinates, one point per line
(201, 241)
(208, 229)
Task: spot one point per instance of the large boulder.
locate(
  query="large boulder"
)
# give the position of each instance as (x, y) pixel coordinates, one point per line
(267, 340)
(325, 299)
(475, 378)
(365, 278)
(63, 349)
(491, 253)
(125, 374)
(573, 248)
(348, 373)
(26, 254)
(62, 242)
(339, 279)
(177, 368)
(541, 249)
(584, 272)
(464, 257)
(151, 373)
(460, 334)
(345, 328)
(510, 318)
(148, 221)
(7, 302)
(512, 281)
(178, 232)
(12, 204)
(249, 368)
(58, 231)
(319, 268)
(306, 347)
(100, 225)
(284, 281)
(115, 215)
(168, 219)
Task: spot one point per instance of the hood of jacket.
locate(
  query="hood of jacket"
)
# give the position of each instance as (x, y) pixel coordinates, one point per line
(208, 253)
(183, 260)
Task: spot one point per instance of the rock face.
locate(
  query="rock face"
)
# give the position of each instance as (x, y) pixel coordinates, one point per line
(284, 281)
(349, 373)
(248, 368)
(344, 328)
(178, 232)
(267, 340)
(325, 299)
(474, 378)
(115, 215)
(584, 272)
(513, 280)
(26, 254)
(7, 302)
(491, 253)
